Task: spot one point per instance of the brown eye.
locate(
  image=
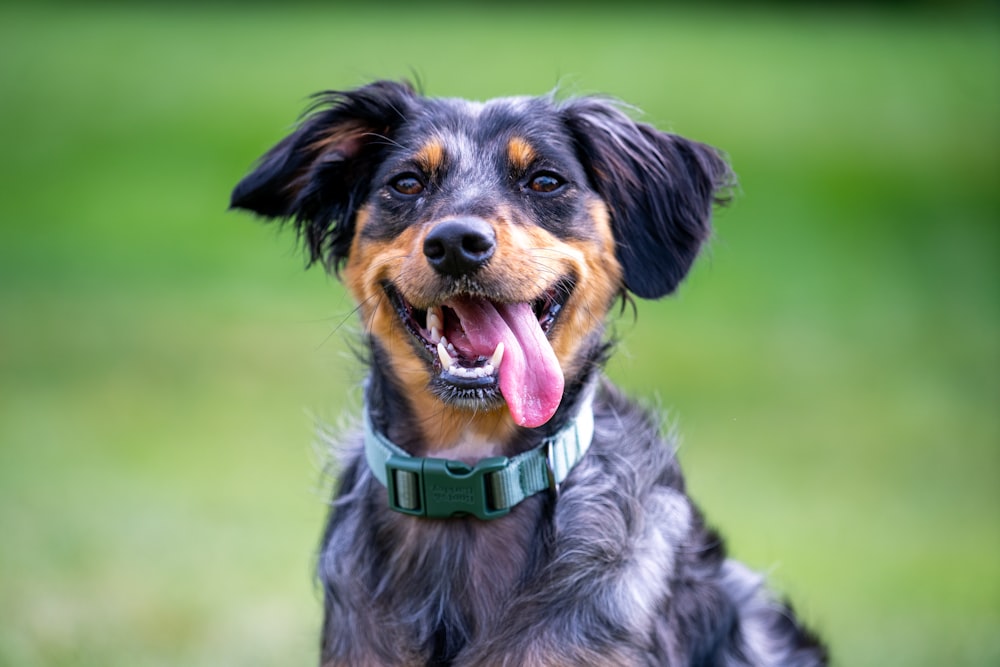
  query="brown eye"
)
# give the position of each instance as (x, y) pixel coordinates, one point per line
(545, 182)
(407, 184)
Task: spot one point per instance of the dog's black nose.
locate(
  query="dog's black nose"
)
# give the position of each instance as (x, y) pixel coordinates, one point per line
(460, 246)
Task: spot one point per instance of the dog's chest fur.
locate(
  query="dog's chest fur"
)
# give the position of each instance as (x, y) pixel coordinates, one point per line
(598, 559)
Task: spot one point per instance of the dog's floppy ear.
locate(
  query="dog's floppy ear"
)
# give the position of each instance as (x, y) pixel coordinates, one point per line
(659, 187)
(319, 174)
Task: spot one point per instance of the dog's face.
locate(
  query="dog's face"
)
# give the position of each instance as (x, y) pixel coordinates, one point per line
(485, 242)
(484, 251)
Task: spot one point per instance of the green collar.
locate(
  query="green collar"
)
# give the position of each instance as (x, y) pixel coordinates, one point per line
(441, 488)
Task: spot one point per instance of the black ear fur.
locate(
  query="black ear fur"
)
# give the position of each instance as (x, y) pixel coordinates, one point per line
(659, 187)
(319, 174)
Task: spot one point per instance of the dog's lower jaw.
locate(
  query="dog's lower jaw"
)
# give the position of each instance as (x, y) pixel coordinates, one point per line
(415, 417)
(482, 350)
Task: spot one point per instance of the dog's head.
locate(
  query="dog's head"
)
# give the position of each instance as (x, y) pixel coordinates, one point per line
(485, 242)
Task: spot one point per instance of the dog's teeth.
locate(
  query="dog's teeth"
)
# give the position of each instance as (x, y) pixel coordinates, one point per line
(446, 361)
(497, 356)
(434, 324)
(476, 372)
(450, 364)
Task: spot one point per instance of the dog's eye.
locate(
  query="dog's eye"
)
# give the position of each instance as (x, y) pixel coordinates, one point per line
(545, 182)
(407, 184)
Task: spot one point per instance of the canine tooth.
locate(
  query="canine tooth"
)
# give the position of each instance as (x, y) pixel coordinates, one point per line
(434, 323)
(487, 370)
(497, 356)
(446, 361)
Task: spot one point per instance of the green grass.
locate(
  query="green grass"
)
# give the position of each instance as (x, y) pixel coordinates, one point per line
(833, 364)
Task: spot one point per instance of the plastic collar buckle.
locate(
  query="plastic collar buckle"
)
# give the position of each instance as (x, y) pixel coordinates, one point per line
(440, 488)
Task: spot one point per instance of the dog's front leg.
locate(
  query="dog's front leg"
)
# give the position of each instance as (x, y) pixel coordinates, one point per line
(597, 600)
(550, 652)
(558, 633)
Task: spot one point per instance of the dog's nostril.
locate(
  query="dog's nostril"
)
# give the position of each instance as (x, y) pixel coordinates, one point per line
(476, 243)
(434, 249)
(460, 246)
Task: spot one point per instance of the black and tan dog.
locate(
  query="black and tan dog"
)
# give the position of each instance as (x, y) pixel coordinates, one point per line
(503, 504)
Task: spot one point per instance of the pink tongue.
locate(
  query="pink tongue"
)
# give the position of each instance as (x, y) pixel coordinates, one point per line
(531, 380)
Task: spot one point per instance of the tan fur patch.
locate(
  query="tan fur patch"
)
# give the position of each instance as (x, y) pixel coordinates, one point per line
(520, 153)
(430, 157)
(599, 279)
(345, 137)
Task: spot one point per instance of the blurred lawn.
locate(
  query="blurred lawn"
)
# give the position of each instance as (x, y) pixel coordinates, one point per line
(833, 364)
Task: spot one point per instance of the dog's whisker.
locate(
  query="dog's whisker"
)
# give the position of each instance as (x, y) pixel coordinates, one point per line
(343, 321)
(369, 325)
(383, 140)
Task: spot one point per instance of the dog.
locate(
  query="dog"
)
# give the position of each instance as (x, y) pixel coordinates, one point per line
(502, 503)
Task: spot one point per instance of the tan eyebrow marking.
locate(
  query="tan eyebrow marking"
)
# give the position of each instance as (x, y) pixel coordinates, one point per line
(520, 153)
(431, 156)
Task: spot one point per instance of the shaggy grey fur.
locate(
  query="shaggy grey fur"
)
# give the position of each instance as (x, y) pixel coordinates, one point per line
(619, 569)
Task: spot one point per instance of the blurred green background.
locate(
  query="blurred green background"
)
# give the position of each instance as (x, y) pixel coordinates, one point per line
(833, 364)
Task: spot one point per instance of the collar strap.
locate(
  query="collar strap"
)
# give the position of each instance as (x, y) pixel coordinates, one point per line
(441, 488)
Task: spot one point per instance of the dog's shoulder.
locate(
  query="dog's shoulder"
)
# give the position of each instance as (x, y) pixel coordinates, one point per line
(625, 524)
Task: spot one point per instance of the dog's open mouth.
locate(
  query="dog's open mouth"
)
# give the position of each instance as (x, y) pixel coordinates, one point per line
(482, 351)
